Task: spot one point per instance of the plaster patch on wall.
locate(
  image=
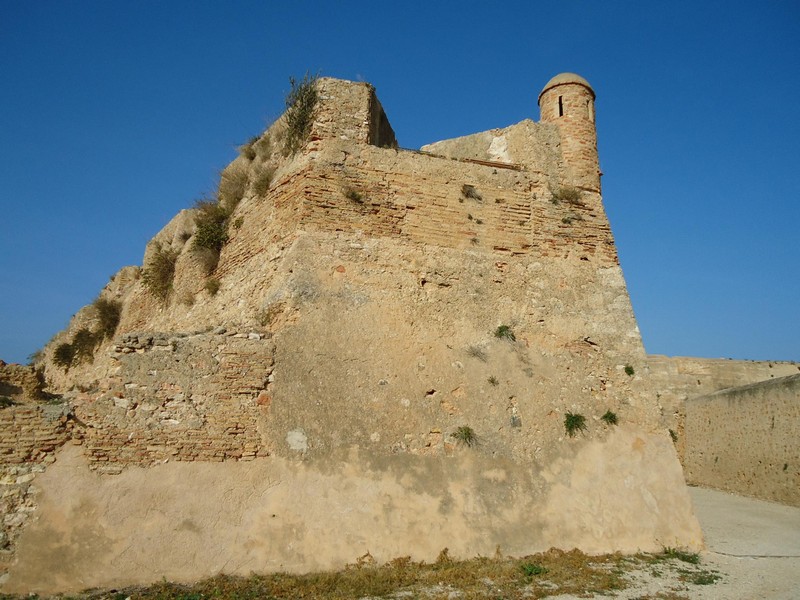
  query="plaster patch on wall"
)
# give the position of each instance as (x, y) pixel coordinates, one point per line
(297, 440)
(498, 149)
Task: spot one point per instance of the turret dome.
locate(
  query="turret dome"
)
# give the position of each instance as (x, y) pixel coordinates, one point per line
(566, 78)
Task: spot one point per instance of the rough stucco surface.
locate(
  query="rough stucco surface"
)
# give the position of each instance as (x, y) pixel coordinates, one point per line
(745, 441)
(184, 521)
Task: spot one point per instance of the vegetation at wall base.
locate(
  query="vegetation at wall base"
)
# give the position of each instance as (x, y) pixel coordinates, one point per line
(301, 102)
(555, 572)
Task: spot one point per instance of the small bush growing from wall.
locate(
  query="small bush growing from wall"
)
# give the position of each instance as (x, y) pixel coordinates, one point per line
(159, 272)
(629, 371)
(108, 314)
(574, 423)
(610, 418)
(504, 332)
(248, 150)
(470, 192)
(477, 352)
(673, 436)
(465, 435)
(570, 195)
(263, 180)
(232, 186)
(353, 195)
(301, 102)
(211, 220)
(63, 355)
(212, 286)
(84, 343)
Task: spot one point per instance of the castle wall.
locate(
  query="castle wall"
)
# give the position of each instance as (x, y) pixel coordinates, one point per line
(678, 379)
(177, 398)
(372, 304)
(744, 440)
(185, 521)
(29, 437)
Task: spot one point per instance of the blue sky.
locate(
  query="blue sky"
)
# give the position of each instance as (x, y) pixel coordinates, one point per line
(116, 115)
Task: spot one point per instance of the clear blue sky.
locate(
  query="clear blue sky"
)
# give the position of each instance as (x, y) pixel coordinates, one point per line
(115, 115)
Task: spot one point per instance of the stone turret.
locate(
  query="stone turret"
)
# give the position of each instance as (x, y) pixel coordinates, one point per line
(568, 102)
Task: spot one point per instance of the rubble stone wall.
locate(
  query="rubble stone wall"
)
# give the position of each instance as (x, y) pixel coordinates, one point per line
(178, 397)
(29, 436)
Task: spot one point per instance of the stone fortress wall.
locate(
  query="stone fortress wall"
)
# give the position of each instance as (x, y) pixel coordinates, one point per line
(353, 335)
(744, 440)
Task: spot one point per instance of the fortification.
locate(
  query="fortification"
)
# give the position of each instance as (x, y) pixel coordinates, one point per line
(392, 351)
(567, 101)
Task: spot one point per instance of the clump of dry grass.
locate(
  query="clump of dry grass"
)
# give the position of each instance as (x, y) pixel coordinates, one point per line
(551, 573)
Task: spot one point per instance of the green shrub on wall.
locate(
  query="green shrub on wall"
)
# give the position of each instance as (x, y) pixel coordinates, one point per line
(159, 272)
(301, 102)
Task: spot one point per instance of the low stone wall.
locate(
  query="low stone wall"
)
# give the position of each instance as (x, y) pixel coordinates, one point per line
(744, 440)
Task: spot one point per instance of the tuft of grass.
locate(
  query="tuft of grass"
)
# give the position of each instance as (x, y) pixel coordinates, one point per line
(532, 569)
(493, 380)
(159, 272)
(629, 371)
(263, 180)
(673, 436)
(108, 314)
(474, 241)
(248, 150)
(232, 187)
(704, 578)
(567, 572)
(504, 332)
(568, 194)
(471, 193)
(84, 343)
(574, 423)
(610, 418)
(211, 220)
(301, 103)
(465, 435)
(6, 401)
(63, 355)
(266, 317)
(477, 352)
(353, 195)
(212, 286)
(693, 558)
(187, 298)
